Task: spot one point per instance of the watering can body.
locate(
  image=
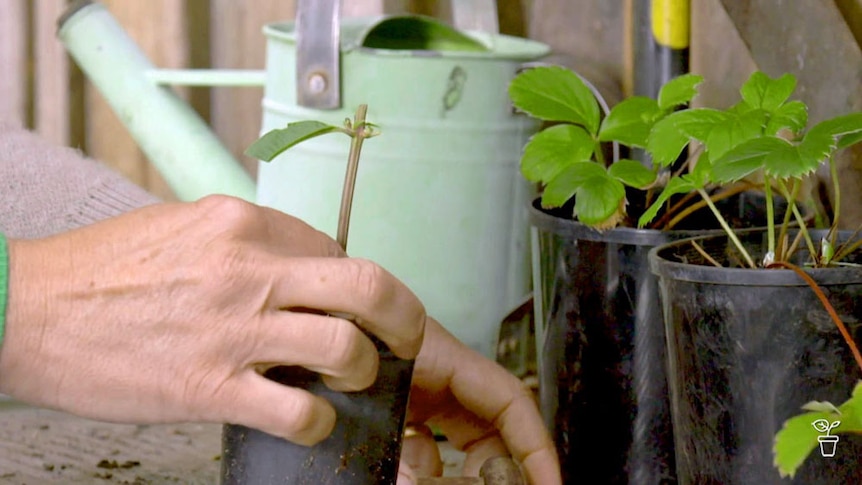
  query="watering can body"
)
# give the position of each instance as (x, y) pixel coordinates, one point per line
(438, 201)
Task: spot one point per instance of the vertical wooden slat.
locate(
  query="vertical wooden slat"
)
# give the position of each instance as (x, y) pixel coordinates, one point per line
(587, 36)
(358, 8)
(13, 60)
(236, 42)
(718, 54)
(51, 79)
(159, 28)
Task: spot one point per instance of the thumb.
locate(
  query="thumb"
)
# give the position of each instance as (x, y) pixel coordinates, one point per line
(405, 474)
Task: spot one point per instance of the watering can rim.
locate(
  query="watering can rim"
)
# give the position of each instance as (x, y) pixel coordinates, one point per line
(354, 31)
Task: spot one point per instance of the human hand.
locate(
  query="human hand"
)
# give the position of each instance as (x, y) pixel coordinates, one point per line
(480, 407)
(170, 312)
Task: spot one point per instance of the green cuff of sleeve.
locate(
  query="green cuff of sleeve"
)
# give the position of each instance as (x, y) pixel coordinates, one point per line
(4, 283)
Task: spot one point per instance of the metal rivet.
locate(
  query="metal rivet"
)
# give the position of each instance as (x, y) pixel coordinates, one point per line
(317, 83)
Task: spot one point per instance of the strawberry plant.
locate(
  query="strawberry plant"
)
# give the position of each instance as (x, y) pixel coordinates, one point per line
(568, 159)
(762, 142)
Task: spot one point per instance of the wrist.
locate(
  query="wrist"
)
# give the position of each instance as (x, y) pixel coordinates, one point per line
(4, 284)
(25, 313)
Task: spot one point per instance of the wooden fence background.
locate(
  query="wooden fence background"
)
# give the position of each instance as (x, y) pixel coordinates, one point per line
(41, 88)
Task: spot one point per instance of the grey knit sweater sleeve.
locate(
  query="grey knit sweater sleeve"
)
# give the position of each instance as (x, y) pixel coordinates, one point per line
(45, 189)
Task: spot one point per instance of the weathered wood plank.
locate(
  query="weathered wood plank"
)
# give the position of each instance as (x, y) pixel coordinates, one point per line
(13, 60)
(236, 42)
(586, 35)
(718, 54)
(51, 78)
(810, 40)
(852, 12)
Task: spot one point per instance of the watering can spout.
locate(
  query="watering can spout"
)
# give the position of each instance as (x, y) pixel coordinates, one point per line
(176, 140)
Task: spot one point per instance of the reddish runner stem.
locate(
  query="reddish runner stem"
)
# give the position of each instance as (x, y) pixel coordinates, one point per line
(826, 304)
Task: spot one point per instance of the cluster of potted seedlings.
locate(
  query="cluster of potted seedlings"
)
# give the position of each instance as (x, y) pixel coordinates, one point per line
(696, 312)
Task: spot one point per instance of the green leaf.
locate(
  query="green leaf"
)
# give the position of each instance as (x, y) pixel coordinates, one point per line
(555, 94)
(672, 133)
(820, 406)
(848, 140)
(564, 185)
(761, 91)
(795, 441)
(702, 172)
(798, 437)
(847, 129)
(792, 115)
(598, 199)
(630, 121)
(278, 140)
(679, 90)
(791, 161)
(733, 130)
(551, 150)
(745, 158)
(632, 173)
(674, 186)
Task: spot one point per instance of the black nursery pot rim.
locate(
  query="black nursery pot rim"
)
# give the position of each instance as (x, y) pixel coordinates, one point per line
(663, 267)
(573, 229)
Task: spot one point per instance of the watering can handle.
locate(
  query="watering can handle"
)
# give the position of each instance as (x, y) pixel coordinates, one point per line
(318, 76)
(478, 15)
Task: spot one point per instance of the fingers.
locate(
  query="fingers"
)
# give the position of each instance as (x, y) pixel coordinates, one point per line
(406, 476)
(327, 345)
(287, 412)
(358, 287)
(494, 396)
(420, 452)
(481, 451)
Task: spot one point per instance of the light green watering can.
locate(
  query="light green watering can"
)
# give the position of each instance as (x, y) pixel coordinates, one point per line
(439, 201)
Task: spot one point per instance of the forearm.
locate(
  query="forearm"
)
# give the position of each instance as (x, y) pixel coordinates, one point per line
(45, 189)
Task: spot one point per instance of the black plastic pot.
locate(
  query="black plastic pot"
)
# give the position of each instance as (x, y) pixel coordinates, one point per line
(364, 447)
(601, 344)
(747, 348)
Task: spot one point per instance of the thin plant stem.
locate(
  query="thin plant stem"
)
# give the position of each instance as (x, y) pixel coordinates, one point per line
(836, 205)
(827, 305)
(705, 255)
(724, 194)
(724, 225)
(357, 136)
(847, 247)
(697, 151)
(600, 155)
(785, 223)
(804, 231)
(770, 218)
(673, 209)
(799, 219)
(794, 245)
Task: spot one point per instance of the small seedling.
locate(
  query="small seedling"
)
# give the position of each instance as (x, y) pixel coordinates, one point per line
(276, 141)
(568, 158)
